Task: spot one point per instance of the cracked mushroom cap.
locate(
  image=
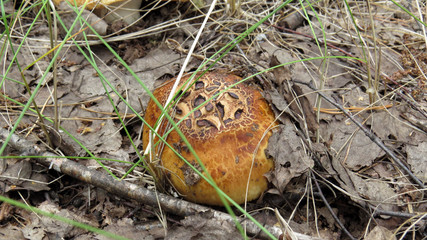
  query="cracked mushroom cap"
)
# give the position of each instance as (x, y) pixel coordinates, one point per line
(224, 132)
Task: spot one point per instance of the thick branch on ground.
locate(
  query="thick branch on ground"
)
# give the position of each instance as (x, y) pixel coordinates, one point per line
(129, 190)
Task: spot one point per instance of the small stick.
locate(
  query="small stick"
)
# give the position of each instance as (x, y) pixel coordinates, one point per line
(378, 212)
(330, 208)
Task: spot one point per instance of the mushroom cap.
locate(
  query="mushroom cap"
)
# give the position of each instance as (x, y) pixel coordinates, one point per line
(224, 133)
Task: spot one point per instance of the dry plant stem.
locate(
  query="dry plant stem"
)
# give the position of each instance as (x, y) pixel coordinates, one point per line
(53, 37)
(184, 65)
(40, 118)
(313, 175)
(128, 190)
(369, 134)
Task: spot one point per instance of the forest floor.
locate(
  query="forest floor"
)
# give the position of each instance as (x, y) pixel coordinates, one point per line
(333, 178)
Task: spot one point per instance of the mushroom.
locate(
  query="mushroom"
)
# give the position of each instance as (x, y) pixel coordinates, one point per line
(128, 10)
(224, 132)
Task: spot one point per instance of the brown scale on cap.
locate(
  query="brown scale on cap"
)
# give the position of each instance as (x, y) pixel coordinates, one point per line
(224, 132)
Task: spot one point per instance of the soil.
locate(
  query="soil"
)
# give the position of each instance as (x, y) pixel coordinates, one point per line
(338, 175)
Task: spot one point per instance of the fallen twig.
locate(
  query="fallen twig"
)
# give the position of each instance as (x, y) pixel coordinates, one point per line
(129, 190)
(313, 175)
(352, 109)
(379, 212)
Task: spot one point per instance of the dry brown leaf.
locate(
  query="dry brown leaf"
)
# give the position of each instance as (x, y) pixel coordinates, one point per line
(11, 232)
(350, 146)
(40, 227)
(380, 233)
(377, 192)
(417, 160)
(68, 16)
(126, 227)
(19, 175)
(290, 159)
(203, 226)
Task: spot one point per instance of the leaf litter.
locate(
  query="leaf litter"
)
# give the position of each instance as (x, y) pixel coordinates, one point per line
(355, 167)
